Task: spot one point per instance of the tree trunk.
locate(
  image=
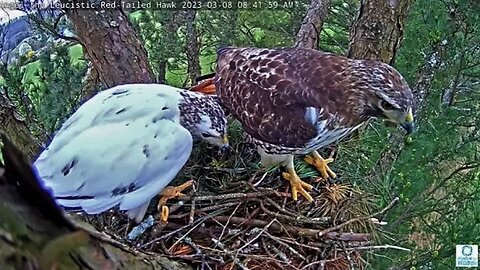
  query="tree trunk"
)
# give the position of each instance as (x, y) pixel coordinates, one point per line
(172, 22)
(193, 46)
(309, 33)
(12, 124)
(90, 83)
(162, 71)
(111, 43)
(378, 30)
(34, 233)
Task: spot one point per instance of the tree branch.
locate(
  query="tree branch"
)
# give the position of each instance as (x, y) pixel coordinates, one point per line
(308, 35)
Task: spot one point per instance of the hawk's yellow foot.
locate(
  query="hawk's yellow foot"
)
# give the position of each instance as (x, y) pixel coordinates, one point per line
(297, 185)
(321, 164)
(167, 193)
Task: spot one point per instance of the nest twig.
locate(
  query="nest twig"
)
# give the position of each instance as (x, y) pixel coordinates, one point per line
(233, 220)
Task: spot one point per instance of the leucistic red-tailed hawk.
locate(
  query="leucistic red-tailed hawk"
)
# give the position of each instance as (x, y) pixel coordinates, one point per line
(123, 146)
(293, 101)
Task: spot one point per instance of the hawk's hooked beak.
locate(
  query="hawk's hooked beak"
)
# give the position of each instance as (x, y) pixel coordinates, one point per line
(225, 148)
(408, 124)
(225, 139)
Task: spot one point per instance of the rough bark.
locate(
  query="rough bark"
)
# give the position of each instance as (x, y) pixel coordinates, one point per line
(34, 233)
(193, 46)
(25, 106)
(12, 124)
(111, 43)
(162, 71)
(309, 33)
(90, 84)
(378, 29)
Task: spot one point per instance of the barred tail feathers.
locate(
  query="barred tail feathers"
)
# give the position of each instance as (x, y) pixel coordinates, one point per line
(205, 86)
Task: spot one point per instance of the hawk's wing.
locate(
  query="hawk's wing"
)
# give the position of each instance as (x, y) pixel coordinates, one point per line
(122, 147)
(120, 104)
(281, 96)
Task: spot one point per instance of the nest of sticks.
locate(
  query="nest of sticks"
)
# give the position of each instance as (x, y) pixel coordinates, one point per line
(239, 216)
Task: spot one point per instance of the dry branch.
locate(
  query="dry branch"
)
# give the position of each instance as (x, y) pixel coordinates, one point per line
(309, 33)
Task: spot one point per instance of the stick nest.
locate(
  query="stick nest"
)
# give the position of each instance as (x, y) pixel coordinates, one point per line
(238, 216)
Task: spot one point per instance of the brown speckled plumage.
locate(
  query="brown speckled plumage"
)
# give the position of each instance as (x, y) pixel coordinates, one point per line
(294, 100)
(192, 103)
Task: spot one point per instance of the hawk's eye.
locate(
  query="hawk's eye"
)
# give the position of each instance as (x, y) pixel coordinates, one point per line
(386, 106)
(206, 135)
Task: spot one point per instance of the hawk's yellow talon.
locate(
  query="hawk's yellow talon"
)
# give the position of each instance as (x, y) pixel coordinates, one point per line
(167, 193)
(298, 186)
(164, 214)
(321, 164)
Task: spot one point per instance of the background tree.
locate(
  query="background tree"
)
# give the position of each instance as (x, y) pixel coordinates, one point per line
(309, 32)
(13, 124)
(108, 38)
(192, 46)
(378, 29)
(376, 34)
(439, 172)
(160, 31)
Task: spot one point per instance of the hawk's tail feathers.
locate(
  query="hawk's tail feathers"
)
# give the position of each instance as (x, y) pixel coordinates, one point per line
(222, 49)
(204, 77)
(205, 85)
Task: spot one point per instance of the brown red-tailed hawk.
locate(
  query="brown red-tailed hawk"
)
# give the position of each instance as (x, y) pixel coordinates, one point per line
(293, 101)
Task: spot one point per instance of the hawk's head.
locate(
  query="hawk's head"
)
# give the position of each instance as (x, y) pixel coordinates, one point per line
(203, 116)
(386, 93)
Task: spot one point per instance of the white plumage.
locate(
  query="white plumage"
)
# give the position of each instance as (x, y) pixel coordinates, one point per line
(122, 147)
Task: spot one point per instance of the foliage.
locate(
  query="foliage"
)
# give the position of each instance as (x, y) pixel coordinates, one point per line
(334, 36)
(59, 86)
(46, 89)
(164, 37)
(437, 176)
(162, 40)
